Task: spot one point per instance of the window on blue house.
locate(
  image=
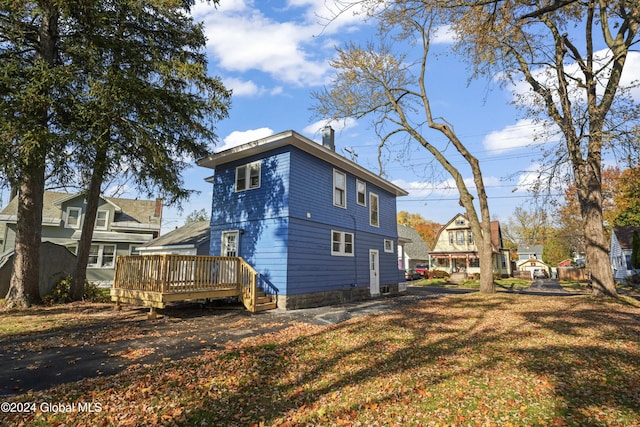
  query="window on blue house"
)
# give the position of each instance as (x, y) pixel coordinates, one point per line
(248, 176)
(341, 243)
(361, 189)
(339, 189)
(374, 217)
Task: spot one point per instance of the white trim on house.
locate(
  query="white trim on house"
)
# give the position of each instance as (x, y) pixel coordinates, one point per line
(100, 256)
(374, 210)
(106, 220)
(67, 214)
(250, 180)
(361, 190)
(340, 245)
(339, 189)
(303, 143)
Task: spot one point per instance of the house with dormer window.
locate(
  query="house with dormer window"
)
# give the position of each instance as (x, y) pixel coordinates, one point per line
(455, 250)
(121, 225)
(318, 228)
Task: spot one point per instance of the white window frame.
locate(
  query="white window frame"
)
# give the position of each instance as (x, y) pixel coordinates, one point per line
(374, 210)
(100, 256)
(244, 171)
(388, 245)
(66, 220)
(339, 190)
(106, 220)
(460, 237)
(363, 193)
(340, 246)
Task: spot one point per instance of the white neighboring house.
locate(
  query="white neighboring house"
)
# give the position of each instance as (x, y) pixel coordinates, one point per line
(620, 251)
(190, 239)
(530, 259)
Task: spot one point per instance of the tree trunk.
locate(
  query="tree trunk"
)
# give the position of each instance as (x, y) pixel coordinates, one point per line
(485, 252)
(24, 288)
(597, 247)
(84, 245)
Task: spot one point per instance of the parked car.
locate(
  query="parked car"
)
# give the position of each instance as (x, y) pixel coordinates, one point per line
(422, 269)
(412, 275)
(539, 273)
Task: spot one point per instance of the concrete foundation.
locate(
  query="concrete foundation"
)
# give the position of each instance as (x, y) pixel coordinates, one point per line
(319, 299)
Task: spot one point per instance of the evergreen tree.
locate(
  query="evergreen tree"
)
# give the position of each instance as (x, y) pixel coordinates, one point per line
(121, 88)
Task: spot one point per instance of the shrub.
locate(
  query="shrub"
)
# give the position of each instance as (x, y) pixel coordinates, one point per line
(439, 274)
(62, 289)
(59, 292)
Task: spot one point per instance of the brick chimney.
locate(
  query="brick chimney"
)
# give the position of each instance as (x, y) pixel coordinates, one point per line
(157, 212)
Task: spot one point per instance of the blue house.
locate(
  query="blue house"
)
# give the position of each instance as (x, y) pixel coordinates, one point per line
(319, 228)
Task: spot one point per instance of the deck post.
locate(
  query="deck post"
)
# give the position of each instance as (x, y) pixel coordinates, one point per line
(152, 313)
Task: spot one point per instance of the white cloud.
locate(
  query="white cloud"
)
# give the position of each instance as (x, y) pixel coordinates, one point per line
(242, 87)
(443, 35)
(446, 187)
(522, 92)
(236, 138)
(529, 179)
(524, 133)
(242, 38)
(339, 126)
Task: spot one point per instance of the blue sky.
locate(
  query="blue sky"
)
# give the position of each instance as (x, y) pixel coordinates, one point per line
(273, 54)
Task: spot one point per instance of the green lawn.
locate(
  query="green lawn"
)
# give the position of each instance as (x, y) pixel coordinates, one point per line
(507, 283)
(463, 360)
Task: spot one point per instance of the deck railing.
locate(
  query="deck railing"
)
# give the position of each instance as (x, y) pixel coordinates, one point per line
(186, 274)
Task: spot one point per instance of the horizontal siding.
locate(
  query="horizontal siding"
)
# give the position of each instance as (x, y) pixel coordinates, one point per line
(263, 244)
(312, 268)
(287, 224)
(268, 201)
(311, 194)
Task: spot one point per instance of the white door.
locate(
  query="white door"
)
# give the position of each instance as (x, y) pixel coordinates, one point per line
(374, 272)
(227, 272)
(229, 243)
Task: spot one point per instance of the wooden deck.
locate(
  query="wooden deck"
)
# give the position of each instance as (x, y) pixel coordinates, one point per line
(155, 280)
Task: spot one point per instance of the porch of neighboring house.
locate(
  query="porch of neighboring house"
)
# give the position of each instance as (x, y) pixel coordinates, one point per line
(155, 280)
(456, 262)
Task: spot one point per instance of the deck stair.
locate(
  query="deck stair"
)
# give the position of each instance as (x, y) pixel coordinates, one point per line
(264, 302)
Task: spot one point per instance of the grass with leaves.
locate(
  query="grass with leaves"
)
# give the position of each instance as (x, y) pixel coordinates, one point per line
(463, 360)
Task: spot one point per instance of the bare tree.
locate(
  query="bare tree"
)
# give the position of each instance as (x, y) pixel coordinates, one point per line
(388, 87)
(552, 48)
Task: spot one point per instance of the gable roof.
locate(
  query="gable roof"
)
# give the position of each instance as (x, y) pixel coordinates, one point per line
(625, 235)
(193, 233)
(128, 211)
(496, 231)
(293, 138)
(416, 248)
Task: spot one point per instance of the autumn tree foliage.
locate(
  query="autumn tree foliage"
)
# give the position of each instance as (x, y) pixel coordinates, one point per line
(427, 229)
(626, 198)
